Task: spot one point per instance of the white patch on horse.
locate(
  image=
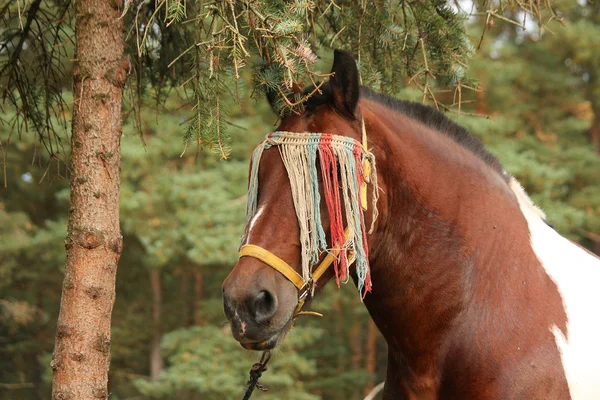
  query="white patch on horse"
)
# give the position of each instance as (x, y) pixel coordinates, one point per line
(253, 222)
(527, 206)
(576, 273)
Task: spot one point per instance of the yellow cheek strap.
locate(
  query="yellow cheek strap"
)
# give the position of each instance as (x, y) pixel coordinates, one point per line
(366, 170)
(264, 255)
(251, 250)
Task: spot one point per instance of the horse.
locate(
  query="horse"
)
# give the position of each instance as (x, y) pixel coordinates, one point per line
(476, 295)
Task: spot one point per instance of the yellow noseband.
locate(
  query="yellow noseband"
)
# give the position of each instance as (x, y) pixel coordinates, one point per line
(304, 288)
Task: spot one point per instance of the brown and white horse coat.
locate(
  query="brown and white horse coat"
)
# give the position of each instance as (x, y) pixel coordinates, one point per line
(576, 273)
(475, 294)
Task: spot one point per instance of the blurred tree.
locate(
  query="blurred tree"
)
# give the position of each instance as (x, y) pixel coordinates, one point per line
(577, 43)
(204, 362)
(182, 217)
(32, 228)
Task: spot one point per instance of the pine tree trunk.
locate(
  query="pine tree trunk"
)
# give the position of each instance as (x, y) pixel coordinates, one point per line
(595, 138)
(156, 360)
(339, 330)
(595, 131)
(37, 375)
(82, 348)
(185, 301)
(198, 291)
(371, 357)
(481, 106)
(355, 344)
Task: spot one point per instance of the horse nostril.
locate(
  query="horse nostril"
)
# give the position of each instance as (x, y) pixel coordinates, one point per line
(264, 305)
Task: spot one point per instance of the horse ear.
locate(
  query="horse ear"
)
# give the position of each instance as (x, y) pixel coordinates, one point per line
(274, 99)
(344, 83)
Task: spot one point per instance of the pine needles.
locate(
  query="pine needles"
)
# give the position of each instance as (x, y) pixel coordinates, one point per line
(35, 50)
(396, 43)
(204, 46)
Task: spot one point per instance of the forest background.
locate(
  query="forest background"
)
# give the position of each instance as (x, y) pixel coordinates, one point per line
(537, 109)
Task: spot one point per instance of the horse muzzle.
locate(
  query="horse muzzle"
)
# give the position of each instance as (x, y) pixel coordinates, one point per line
(255, 338)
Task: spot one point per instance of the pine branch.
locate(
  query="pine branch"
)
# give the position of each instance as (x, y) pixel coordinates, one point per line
(424, 41)
(31, 16)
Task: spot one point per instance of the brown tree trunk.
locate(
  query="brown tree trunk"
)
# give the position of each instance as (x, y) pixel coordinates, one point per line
(339, 329)
(198, 291)
(595, 138)
(82, 348)
(185, 302)
(371, 357)
(355, 344)
(595, 132)
(156, 360)
(481, 106)
(596, 248)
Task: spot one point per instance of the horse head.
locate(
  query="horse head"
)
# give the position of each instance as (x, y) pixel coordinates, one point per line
(260, 300)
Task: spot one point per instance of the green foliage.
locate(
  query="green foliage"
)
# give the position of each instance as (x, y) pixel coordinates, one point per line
(416, 43)
(176, 11)
(196, 213)
(207, 125)
(36, 46)
(32, 231)
(207, 361)
(205, 46)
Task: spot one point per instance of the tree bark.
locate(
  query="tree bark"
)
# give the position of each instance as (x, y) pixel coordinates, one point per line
(156, 360)
(186, 303)
(595, 132)
(94, 242)
(198, 292)
(339, 329)
(481, 106)
(595, 139)
(355, 344)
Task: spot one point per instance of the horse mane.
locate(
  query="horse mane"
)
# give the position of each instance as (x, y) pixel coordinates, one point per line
(426, 115)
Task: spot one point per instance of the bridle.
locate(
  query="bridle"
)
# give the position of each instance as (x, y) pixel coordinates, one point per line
(305, 287)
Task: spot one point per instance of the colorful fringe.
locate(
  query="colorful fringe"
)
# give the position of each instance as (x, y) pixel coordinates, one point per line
(341, 164)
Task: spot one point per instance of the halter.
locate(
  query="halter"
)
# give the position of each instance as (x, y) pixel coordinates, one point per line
(299, 153)
(304, 287)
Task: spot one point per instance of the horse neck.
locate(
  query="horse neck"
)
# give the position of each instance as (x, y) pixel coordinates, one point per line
(443, 214)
